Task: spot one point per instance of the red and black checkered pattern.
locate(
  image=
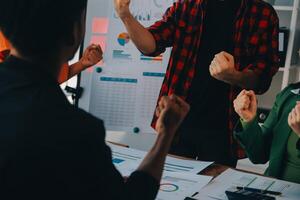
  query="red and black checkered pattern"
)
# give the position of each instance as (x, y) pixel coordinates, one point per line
(256, 47)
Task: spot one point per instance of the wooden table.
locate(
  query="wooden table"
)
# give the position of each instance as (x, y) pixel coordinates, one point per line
(214, 170)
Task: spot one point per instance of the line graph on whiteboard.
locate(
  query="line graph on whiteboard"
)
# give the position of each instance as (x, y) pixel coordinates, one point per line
(160, 3)
(153, 12)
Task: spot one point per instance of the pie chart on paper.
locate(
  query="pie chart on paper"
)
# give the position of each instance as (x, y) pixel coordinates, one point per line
(123, 39)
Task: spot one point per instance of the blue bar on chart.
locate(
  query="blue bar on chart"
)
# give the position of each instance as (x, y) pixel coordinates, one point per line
(119, 80)
(153, 74)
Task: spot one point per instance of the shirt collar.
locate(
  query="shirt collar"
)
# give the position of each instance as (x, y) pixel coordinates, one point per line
(296, 91)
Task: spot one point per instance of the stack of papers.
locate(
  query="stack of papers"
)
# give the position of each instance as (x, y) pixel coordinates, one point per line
(232, 179)
(179, 178)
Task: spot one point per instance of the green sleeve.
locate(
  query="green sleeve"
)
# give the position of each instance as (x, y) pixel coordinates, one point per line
(298, 147)
(246, 125)
(256, 139)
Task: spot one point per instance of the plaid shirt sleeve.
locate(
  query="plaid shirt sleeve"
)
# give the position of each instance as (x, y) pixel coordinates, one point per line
(163, 31)
(266, 61)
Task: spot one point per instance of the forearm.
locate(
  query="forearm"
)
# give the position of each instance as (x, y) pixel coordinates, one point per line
(140, 36)
(154, 161)
(245, 80)
(75, 69)
(252, 138)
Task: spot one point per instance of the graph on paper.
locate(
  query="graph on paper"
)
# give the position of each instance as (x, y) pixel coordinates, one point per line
(127, 160)
(179, 178)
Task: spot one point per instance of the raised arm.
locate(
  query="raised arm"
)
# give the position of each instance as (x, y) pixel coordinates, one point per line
(140, 36)
(155, 39)
(170, 112)
(144, 183)
(294, 123)
(86, 163)
(255, 140)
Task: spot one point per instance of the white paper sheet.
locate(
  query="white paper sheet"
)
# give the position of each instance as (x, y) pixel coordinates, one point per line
(127, 160)
(177, 186)
(232, 178)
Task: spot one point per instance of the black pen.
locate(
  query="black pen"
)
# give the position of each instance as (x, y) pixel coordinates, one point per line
(189, 198)
(259, 191)
(195, 194)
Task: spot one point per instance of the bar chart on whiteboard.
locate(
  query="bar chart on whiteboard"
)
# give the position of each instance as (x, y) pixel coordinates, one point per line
(124, 87)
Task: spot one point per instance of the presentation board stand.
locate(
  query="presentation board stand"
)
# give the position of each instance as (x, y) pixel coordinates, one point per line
(122, 90)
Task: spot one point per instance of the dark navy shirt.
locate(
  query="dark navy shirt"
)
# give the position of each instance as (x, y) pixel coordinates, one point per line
(52, 150)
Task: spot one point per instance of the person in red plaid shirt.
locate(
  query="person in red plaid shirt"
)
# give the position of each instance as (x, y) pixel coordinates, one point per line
(219, 48)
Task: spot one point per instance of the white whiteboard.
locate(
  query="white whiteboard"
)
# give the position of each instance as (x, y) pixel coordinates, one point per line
(123, 89)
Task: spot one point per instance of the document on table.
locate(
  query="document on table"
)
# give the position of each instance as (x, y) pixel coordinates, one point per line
(174, 185)
(232, 178)
(127, 160)
(177, 186)
(179, 178)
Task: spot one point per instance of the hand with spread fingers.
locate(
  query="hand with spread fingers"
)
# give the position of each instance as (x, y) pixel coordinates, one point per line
(245, 105)
(294, 119)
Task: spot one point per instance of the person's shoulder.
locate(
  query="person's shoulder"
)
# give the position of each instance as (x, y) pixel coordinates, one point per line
(83, 124)
(87, 117)
(262, 3)
(187, 12)
(293, 86)
(57, 115)
(49, 101)
(265, 8)
(55, 102)
(189, 3)
(289, 90)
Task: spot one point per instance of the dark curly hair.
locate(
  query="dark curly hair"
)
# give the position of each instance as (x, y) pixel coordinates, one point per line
(38, 27)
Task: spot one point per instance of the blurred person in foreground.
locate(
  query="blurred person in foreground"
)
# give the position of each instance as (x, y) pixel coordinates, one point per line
(49, 149)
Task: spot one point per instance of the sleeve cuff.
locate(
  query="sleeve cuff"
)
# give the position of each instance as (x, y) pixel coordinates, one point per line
(242, 132)
(144, 183)
(246, 125)
(298, 147)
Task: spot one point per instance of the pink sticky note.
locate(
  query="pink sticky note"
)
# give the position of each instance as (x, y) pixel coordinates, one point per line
(99, 39)
(100, 25)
